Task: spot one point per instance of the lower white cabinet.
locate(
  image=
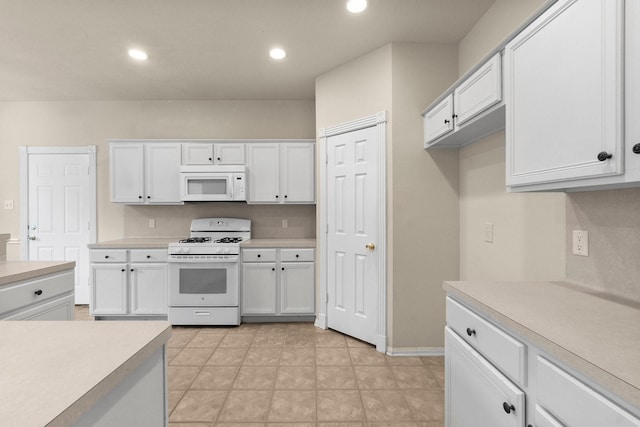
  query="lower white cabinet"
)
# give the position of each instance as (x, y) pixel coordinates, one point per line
(47, 297)
(278, 282)
(484, 383)
(128, 282)
(476, 390)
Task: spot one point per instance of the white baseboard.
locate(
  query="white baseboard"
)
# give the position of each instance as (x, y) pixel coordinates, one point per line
(415, 351)
(321, 321)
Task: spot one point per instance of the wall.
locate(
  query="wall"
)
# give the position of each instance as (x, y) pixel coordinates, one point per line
(422, 240)
(529, 229)
(92, 123)
(612, 220)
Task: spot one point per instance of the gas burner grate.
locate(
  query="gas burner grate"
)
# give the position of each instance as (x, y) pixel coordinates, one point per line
(229, 240)
(196, 240)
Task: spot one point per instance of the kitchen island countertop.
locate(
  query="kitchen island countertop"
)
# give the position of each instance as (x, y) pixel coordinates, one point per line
(15, 271)
(279, 243)
(53, 372)
(596, 334)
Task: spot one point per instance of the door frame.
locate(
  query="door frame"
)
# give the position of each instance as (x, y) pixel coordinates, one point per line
(24, 188)
(379, 121)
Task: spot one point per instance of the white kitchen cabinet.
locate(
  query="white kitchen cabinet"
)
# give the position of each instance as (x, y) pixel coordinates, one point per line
(476, 390)
(281, 172)
(145, 172)
(471, 111)
(208, 153)
(128, 283)
(564, 96)
(46, 297)
(278, 282)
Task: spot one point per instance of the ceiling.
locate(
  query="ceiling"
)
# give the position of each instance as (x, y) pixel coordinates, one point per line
(68, 50)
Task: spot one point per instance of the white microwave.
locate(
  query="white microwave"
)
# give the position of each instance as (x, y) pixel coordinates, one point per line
(213, 184)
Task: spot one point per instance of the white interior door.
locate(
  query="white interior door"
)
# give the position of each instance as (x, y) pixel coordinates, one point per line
(59, 225)
(353, 223)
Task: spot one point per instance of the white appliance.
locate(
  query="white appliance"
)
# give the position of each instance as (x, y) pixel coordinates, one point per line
(204, 273)
(213, 183)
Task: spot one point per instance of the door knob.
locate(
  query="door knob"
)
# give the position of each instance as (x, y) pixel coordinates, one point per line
(370, 246)
(31, 237)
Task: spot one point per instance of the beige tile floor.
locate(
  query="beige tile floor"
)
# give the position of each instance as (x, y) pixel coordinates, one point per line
(295, 375)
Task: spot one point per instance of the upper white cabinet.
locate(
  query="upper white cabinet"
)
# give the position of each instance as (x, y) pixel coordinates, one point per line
(281, 172)
(564, 94)
(145, 173)
(471, 111)
(205, 153)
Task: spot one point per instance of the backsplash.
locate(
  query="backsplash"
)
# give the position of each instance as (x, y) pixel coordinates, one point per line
(612, 218)
(266, 220)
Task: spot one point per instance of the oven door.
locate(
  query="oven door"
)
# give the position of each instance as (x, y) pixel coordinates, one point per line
(206, 186)
(210, 283)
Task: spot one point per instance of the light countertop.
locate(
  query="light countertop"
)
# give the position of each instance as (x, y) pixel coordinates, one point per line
(14, 271)
(279, 243)
(597, 335)
(53, 372)
(136, 243)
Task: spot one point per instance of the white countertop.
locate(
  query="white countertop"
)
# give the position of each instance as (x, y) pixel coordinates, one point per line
(279, 243)
(136, 243)
(53, 372)
(14, 271)
(597, 335)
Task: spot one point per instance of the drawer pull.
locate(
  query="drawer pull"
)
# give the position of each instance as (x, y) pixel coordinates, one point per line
(508, 407)
(106, 257)
(258, 255)
(38, 292)
(636, 149)
(603, 155)
(273, 269)
(471, 332)
(297, 256)
(148, 256)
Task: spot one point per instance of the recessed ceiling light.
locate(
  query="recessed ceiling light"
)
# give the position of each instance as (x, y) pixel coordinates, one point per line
(277, 53)
(137, 54)
(356, 6)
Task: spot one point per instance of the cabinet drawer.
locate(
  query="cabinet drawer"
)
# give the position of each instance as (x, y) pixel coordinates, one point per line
(505, 352)
(108, 255)
(575, 403)
(258, 255)
(293, 255)
(35, 291)
(148, 255)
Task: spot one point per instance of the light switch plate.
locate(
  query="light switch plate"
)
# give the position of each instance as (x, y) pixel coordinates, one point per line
(488, 232)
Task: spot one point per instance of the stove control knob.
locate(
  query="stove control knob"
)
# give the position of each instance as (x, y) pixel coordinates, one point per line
(178, 250)
(185, 250)
(227, 250)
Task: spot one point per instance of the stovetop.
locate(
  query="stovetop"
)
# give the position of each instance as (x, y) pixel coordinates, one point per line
(210, 236)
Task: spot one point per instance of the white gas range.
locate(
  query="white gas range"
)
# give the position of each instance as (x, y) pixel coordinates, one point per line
(204, 273)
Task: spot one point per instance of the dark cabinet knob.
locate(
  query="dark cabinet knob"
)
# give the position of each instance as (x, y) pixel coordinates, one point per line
(277, 196)
(446, 121)
(132, 269)
(285, 196)
(273, 269)
(636, 149)
(282, 268)
(106, 256)
(219, 158)
(508, 407)
(139, 197)
(455, 116)
(38, 292)
(471, 332)
(259, 255)
(603, 155)
(122, 269)
(148, 197)
(210, 158)
(148, 256)
(297, 256)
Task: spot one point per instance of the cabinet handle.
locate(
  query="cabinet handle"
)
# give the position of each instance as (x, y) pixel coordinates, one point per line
(273, 269)
(285, 196)
(219, 158)
(106, 256)
(297, 256)
(259, 255)
(471, 332)
(132, 269)
(122, 269)
(38, 292)
(447, 121)
(282, 268)
(210, 158)
(455, 116)
(139, 197)
(148, 197)
(148, 256)
(277, 196)
(508, 407)
(636, 149)
(603, 155)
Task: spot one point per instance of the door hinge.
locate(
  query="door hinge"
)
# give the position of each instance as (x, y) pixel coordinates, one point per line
(327, 301)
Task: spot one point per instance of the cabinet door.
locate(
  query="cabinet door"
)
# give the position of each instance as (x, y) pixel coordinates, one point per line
(563, 94)
(162, 166)
(108, 289)
(259, 288)
(476, 390)
(126, 166)
(194, 153)
(263, 164)
(229, 154)
(297, 173)
(479, 92)
(297, 288)
(149, 288)
(439, 120)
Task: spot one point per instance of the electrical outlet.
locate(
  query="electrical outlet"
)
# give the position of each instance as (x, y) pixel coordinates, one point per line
(152, 223)
(580, 242)
(8, 204)
(488, 232)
